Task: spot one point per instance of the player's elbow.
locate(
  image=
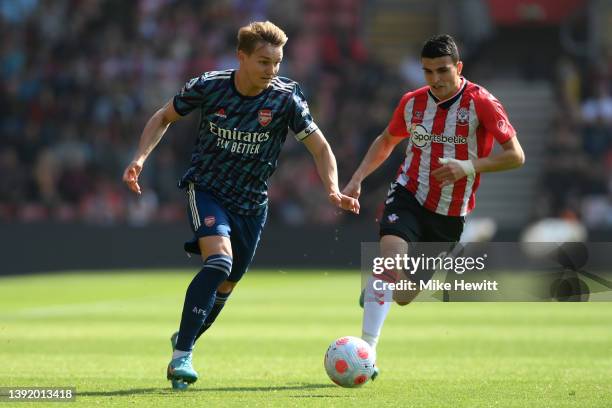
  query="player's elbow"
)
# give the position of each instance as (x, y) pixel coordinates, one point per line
(519, 158)
(166, 115)
(159, 119)
(384, 146)
(167, 118)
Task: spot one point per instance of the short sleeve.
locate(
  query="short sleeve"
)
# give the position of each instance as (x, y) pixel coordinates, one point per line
(300, 120)
(397, 126)
(494, 118)
(191, 96)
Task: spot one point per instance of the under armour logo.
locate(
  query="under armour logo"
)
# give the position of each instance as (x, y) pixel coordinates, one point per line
(392, 218)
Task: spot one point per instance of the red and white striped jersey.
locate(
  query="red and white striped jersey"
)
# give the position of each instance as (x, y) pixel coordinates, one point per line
(462, 127)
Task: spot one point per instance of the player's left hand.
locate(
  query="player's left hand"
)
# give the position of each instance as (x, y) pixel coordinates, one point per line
(130, 176)
(452, 170)
(345, 202)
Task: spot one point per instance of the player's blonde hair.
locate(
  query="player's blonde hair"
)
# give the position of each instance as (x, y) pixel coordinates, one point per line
(257, 32)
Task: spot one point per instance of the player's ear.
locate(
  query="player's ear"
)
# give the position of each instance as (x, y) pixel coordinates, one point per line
(242, 56)
(459, 67)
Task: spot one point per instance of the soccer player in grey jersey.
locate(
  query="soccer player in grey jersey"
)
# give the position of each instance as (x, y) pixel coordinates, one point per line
(245, 118)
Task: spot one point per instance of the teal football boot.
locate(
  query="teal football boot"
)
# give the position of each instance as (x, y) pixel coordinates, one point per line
(179, 383)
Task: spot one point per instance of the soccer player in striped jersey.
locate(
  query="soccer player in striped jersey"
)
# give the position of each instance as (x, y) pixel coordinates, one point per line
(451, 125)
(245, 116)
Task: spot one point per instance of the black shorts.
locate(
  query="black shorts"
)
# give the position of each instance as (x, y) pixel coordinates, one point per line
(406, 218)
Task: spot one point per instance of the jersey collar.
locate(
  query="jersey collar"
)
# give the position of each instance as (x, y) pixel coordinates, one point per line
(237, 92)
(445, 104)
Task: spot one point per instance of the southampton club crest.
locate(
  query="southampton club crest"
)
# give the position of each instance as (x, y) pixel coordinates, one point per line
(392, 218)
(463, 116)
(264, 117)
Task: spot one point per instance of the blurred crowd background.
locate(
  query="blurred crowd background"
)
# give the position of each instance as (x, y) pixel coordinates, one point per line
(80, 78)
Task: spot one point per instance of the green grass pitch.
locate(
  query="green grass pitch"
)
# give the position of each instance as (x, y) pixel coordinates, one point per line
(107, 334)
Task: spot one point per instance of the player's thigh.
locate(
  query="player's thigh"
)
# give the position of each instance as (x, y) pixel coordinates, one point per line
(210, 223)
(214, 245)
(245, 237)
(442, 228)
(393, 246)
(401, 228)
(400, 217)
(440, 234)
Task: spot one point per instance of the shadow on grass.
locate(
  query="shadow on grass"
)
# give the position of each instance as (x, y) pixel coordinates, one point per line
(137, 391)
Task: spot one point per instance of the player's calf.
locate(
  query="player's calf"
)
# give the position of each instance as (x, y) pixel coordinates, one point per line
(404, 296)
(200, 298)
(224, 290)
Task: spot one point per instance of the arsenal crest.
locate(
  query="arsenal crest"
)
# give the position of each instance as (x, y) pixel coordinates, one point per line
(463, 116)
(264, 117)
(209, 221)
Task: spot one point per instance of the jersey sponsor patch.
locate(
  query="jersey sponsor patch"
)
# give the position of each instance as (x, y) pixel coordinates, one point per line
(420, 137)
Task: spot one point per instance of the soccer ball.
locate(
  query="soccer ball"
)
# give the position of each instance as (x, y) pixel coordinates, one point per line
(349, 362)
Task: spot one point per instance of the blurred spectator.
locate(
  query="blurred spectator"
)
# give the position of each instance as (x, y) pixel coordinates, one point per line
(577, 179)
(597, 121)
(79, 79)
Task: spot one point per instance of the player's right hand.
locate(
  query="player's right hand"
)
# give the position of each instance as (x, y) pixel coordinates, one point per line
(130, 176)
(352, 189)
(345, 202)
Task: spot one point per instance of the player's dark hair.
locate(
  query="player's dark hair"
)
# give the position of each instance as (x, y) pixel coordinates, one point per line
(257, 32)
(440, 46)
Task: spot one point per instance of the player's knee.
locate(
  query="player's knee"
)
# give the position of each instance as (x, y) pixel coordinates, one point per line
(215, 245)
(226, 286)
(219, 263)
(404, 297)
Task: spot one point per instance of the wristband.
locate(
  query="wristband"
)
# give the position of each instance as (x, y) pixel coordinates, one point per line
(466, 165)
